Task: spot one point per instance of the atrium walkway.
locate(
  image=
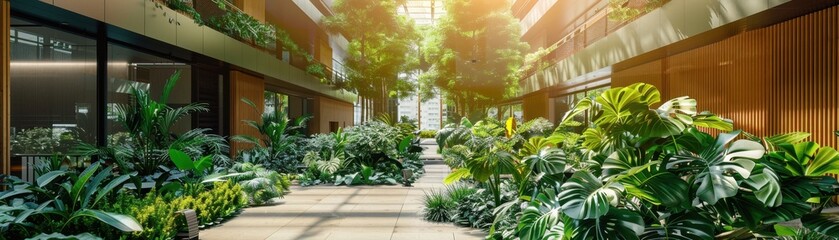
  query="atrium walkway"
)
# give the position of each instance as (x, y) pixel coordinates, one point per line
(341, 212)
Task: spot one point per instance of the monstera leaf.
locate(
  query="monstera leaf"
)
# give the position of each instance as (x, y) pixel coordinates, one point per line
(643, 178)
(808, 159)
(719, 166)
(672, 118)
(585, 197)
(766, 186)
(549, 161)
(542, 219)
(617, 224)
(619, 105)
(684, 226)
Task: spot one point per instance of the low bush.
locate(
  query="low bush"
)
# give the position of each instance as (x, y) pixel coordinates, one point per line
(428, 133)
(158, 214)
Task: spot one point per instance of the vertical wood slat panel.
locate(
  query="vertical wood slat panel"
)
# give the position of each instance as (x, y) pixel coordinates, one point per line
(243, 85)
(772, 80)
(5, 80)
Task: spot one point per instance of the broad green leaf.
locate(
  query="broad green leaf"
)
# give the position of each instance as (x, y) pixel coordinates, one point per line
(181, 160)
(102, 192)
(549, 161)
(456, 175)
(203, 163)
(47, 178)
(619, 104)
(766, 186)
(76, 190)
(649, 93)
(658, 187)
(690, 226)
(827, 224)
(826, 161)
(542, 218)
(585, 197)
(617, 224)
(784, 231)
(787, 138)
(122, 222)
(709, 120)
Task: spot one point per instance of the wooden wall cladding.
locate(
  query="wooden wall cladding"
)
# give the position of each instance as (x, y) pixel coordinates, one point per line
(328, 110)
(5, 87)
(536, 105)
(243, 85)
(772, 80)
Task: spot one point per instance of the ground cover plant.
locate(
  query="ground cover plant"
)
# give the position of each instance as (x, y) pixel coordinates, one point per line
(641, 172)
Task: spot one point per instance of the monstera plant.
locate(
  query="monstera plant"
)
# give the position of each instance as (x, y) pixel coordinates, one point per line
(644, 169)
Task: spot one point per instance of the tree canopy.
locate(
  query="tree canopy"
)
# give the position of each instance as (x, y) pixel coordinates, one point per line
(382, 44)
(475, 53)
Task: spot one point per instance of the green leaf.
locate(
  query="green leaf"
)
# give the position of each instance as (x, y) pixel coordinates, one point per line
(59, 236)
(784, 231)
(827, 224)
(617, 224)
(550, 161)
(102, 192)
(542, 218)
(203, 163)
(619, 104)
(766, 186)
(404, 144)
(76, 190)
(457, 175)
(47, 178)
(690, 226)
(181, 160)
(585, 197)
(649, 93)
(709, 120)
(787, 138)
(170, 85)
(122, 222)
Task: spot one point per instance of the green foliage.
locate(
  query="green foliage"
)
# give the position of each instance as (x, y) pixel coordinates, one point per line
(475, 52)
(259, 184)
(42, 141)
(149, 124)
(277, 146)
(159, 214)
(437, 206)
(59, 200)
(637, 172)
(381, 46)
(428, 133)
(183, 6)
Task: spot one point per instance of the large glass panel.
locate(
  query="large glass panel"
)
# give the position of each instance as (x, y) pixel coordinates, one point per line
(53, 89)
(276, 102)
(129, 68)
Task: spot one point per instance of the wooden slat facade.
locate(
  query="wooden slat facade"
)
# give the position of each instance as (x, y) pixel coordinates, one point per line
(243, 85)
(5, 87)
(771, 80)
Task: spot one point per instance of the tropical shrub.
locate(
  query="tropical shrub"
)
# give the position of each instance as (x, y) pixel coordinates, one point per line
(638, 171)
(370, 153)
(277, 146)
(259, 184)
(149, 124)
(59, 201)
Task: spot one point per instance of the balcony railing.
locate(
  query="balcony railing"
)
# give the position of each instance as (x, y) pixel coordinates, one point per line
(594, 25)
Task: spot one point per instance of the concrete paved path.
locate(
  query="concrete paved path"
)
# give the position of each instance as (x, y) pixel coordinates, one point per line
(358, 212)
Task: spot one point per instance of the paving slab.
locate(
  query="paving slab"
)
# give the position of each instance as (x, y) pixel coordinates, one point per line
(341, 212)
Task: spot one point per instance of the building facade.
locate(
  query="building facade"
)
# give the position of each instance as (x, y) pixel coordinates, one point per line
(67, 65)
(769, 65)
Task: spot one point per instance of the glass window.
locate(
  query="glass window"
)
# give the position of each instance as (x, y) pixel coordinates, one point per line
(564, 103)
(128, 68)
(275, 102)
(53, 89)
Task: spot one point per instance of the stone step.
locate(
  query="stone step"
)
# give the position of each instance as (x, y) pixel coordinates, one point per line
(434, 162)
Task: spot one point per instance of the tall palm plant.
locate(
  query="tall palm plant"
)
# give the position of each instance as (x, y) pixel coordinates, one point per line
(149, 124)
(278, 136)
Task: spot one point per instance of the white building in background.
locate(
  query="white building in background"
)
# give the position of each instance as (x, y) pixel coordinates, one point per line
(430, 114)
